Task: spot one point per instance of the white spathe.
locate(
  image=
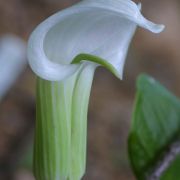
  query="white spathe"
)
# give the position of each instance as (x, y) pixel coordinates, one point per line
(102, 28)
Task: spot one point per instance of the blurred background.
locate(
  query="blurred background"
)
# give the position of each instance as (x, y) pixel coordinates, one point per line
(111, 101)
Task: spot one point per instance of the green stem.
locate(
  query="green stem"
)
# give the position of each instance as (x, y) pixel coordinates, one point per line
(61, 126)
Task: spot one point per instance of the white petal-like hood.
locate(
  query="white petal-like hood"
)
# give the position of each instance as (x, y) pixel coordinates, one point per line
(103, 28)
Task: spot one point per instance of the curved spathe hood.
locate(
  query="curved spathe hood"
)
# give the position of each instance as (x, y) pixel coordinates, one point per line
(102, 28)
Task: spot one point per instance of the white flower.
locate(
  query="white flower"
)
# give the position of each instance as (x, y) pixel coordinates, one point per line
(103, 28)
(67, 48)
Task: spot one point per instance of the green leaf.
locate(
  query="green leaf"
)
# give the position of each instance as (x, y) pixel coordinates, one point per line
(155, 130)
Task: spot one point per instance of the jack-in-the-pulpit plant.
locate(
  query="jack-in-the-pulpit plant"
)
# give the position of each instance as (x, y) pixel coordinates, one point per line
(64, 52)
